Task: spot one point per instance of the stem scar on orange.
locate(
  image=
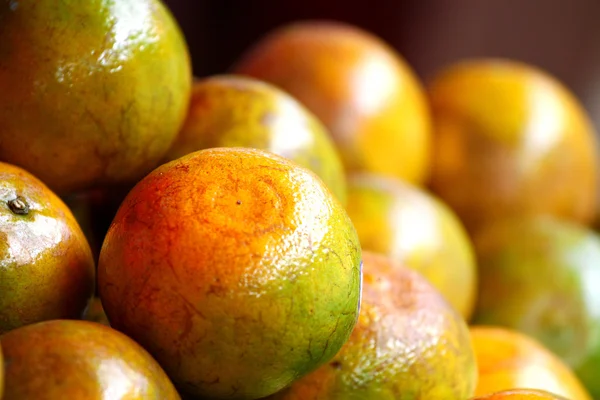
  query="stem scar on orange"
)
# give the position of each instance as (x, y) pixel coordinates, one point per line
(236, 268)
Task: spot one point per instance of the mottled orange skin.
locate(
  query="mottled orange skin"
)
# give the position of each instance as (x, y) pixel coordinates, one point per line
(509, 139)
(80, 360)
(364, 92)
(236, 268)
(508, 359)
(408, 344)
(46, 265)
(415, 228)
(522, 394)
(236, 111)
(94, 91)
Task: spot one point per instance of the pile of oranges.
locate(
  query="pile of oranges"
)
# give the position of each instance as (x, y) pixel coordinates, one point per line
(315, 223)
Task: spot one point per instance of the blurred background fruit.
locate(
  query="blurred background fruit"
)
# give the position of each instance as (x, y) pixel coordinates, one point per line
(511, 140)
(559, 36)
(540, 275)
(359, 87)
(236, 111)
(63, 359)
(236, 268)
(408, 343)
(508, 359)
(97, 90)
(46, 265)
(522, 394)
(415, 228)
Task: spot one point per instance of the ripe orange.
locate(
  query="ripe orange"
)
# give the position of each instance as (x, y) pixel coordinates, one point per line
(364, 92)
(94, 92)
(46, 265)
(509, 139)
(62, 359)
(508, 359)
(236, 268)
(418, 230)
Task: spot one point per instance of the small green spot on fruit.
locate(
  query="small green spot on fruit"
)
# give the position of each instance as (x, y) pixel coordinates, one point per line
(18, 206)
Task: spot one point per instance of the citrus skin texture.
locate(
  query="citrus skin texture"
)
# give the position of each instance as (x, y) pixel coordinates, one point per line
(95, 91)
(418, 230)
(408, 344)
(367, 96)
(46, 265)
(509, 140)
(236, 111)
(63, 359)
(508, 359)
(540, 276)
(237, 269)
(522, 394)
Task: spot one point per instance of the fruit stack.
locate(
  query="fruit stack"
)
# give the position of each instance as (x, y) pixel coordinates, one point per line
(315, 223)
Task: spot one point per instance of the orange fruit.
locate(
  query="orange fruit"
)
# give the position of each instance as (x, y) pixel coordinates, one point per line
(236, 268)
(63, 359)
(46, 265)
(511, 140)
(364, 92)
(539, 275)
(522, 394)
(236, 111)
(97, 89)
(508, 359)
(412, 226)
(408, 344)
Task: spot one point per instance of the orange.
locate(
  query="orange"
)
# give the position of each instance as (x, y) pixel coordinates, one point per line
(539, 275)
(94, 91)
(235, 111)
(510, 139)
(414, 227)
(63, 359)
(522, 394)
(364, 92)
(46, 265)
(508, 359)
(236, 268)
(408, 344)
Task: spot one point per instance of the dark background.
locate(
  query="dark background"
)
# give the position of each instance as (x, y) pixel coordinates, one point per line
(561, 36)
